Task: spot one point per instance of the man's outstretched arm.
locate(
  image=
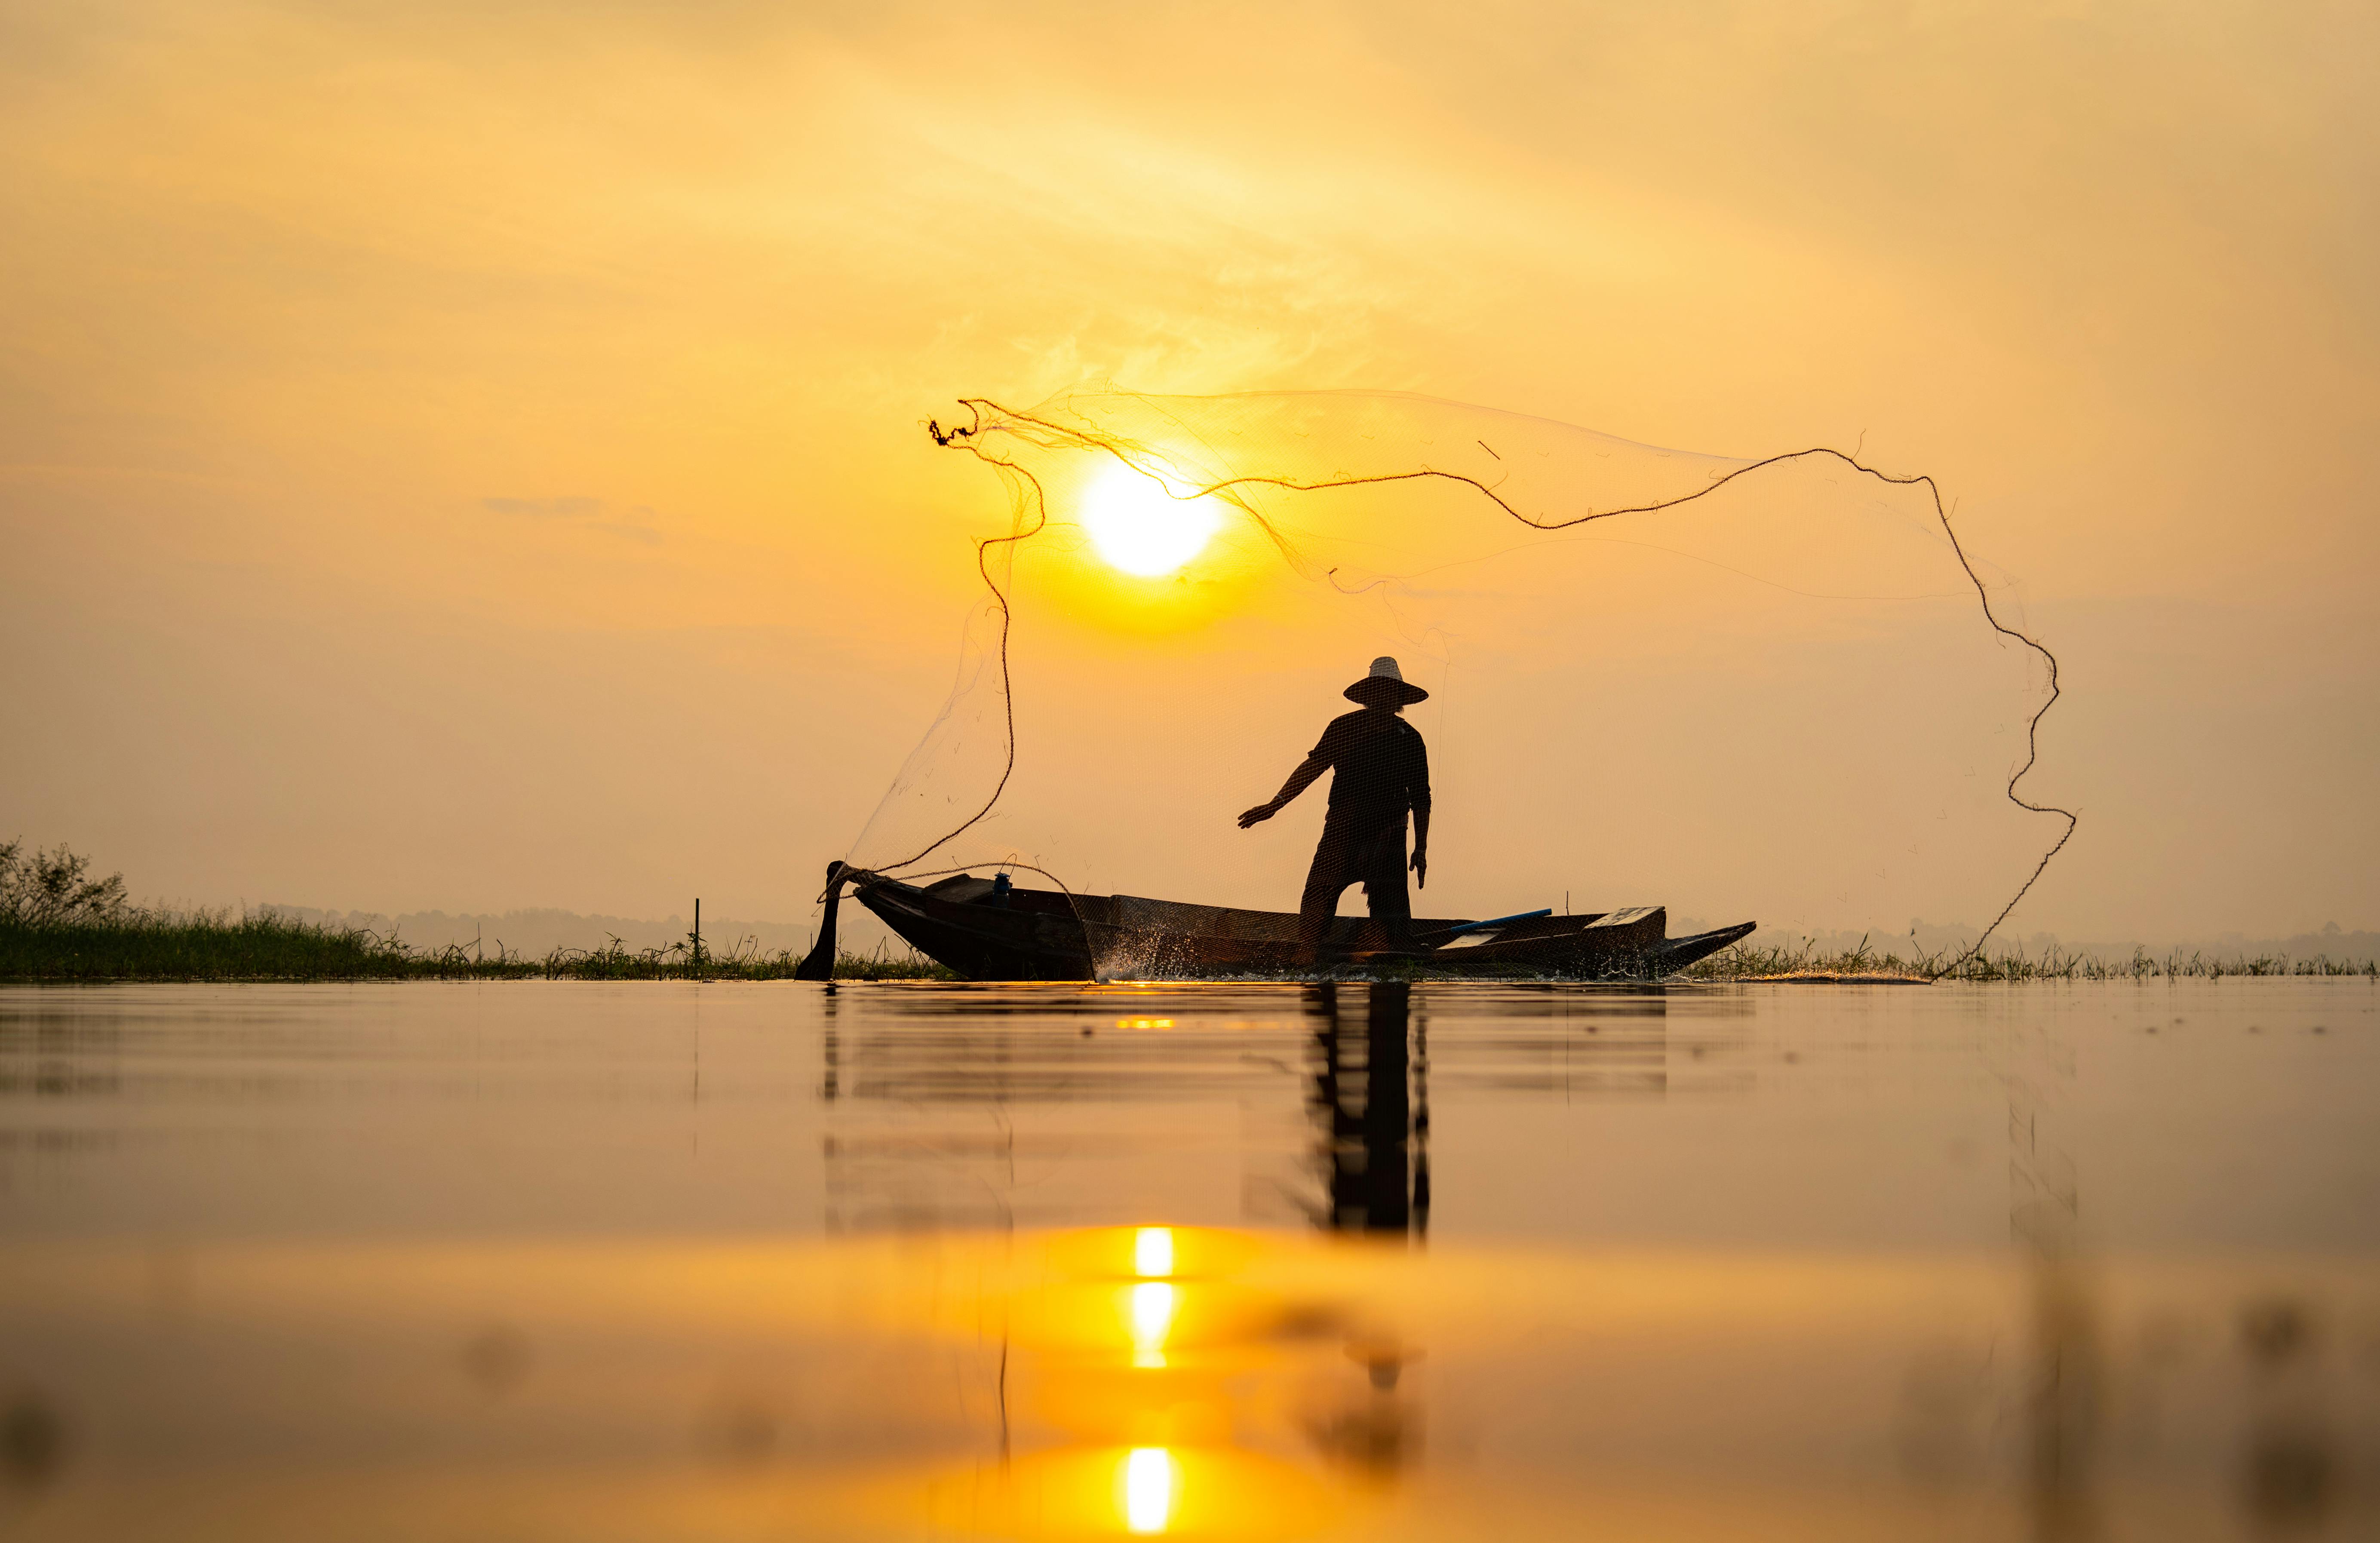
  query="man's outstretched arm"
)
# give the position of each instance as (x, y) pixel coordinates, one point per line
(1299, 781)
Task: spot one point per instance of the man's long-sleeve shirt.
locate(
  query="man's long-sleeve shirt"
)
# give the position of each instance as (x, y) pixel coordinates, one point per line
(1380, 769)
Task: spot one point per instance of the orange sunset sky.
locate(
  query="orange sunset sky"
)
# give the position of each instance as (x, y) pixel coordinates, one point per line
(471, 456)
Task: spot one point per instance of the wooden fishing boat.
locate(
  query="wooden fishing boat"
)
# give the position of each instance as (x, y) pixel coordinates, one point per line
(989, 930)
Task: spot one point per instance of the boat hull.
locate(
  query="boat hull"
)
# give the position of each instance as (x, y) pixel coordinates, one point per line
(987, 934)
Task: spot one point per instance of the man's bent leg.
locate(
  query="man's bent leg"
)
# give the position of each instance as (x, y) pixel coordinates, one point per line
(1325, 882)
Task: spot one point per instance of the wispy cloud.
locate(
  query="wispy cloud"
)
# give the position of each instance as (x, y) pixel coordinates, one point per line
(544, 508)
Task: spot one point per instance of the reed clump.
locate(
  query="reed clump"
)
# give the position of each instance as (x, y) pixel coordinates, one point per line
(1802, 959)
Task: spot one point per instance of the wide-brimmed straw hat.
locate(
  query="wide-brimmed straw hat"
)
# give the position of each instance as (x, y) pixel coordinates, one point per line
(1386, 683)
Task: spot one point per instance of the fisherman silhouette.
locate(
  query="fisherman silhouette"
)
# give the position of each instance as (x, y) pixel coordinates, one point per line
(1380, 772)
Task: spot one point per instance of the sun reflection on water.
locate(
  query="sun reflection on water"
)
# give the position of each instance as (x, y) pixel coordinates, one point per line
(1149, 1480)
(1152, 1318)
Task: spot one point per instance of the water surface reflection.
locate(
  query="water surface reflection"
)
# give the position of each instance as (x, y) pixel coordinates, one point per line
(1193, 1382)
(1377, 1262)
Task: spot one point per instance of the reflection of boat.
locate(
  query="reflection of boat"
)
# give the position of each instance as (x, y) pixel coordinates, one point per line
(989, 929)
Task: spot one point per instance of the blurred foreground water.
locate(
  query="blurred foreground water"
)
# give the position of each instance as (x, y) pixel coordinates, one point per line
(728, 1261)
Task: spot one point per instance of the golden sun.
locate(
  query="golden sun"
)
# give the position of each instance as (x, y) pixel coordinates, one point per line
(1141, 529)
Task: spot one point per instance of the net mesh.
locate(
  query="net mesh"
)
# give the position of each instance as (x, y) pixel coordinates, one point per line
(1774, 689)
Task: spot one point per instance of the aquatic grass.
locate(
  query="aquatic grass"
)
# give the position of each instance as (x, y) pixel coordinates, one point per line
(1801, 959)
(126, 943)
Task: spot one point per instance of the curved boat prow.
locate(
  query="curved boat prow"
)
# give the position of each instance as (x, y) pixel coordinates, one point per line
(1676, 954)
(818, 964)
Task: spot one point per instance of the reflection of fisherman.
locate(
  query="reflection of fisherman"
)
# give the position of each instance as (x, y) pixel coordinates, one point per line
(1371, 1103)
(1382, 770)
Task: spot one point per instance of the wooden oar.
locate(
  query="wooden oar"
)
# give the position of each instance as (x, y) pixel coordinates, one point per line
(1447, 935)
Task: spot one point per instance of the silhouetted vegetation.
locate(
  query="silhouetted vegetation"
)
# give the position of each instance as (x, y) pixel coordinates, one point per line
(261, 945)
(53, 889)
(59, 924)
(1803, 961)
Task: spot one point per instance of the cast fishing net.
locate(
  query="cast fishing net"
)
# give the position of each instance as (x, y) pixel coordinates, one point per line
(1772, 689)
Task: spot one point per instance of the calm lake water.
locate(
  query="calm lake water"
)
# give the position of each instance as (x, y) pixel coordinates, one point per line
(897, 1261)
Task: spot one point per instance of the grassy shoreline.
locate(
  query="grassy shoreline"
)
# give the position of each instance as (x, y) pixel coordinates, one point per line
(263, 946)
(1802, 961)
